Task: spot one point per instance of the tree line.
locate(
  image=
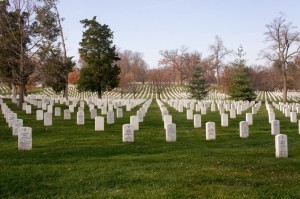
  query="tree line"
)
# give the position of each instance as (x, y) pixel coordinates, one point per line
(33, 50)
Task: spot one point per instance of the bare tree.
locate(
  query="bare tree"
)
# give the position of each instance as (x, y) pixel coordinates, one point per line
(284, 42)
(218, 51)
(180, 61)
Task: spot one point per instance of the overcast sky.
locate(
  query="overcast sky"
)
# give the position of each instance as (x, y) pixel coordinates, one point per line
(148, 26)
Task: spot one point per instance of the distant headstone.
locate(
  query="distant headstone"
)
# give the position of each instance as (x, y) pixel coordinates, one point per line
(99, 123)
(140, 115)
(39, 115)
(244, 129)
(119, 112)
(67, 114)
(103, 110)
(275, 127)
(293, 117)
(189, 114)
(57, 111)
(232, 113)
(203, 110)
(281, 146)
(171, 132)
(93, 113)
(80, 118)
(71, 108)
(110, 117)
(47, 119)
(210, 130)
(249, 118)
(16, 125)
(224, 119)
(128, 133)
(271, 117)
(28, 109)
(50, 108)
(25, 138)
(134, 121)
(197, 121)
(167, 120)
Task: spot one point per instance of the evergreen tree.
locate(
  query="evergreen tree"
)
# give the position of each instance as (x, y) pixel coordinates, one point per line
(240, 87)
(101, 72)
(198, 85)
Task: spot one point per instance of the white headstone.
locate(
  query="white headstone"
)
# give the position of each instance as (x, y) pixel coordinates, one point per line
(281, 146)
(57, 111)
(197, 121)
(167, 120)
(134, 121)
(271, 117)
(50, 108)
(71, 108)
(189, 114)
(224, 119)
(244, 129)
(16, 125)
(140, 116)
(293, 116)
(275, 127)
(47, 119)
(128, 133)
(171, 132)
(232, 113)
(28, 109)
(80, 118)
(203, 110)
(39, 115)
(67, 114)
(119, 112)
(99, 123)
(249, 118)
(93, 113)
(110, 117)
(25, 138)
(210, 130)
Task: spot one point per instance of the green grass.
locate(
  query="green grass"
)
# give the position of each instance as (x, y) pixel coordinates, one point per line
(70, 161)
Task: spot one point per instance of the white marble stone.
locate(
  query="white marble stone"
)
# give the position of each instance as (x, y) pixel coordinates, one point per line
(25, 138)
(210, 130)
(80, 118)
(57, 111)
(17, 123)
(232, 113)
(224, 119)
(50, 108)
(281, 146)
(249, 118)
(28, 109)
(293, 117)
(67, 114)
(134, 121)
(271, 117)
(99, 123)
(93, 113)
(189, 114)
(119, 112)
(171, 132)
(244, 129)
(197, 121)
(275, 127)
(39, 115)
(167, 120)
(128, 133)
(47, 119)
(110, 117)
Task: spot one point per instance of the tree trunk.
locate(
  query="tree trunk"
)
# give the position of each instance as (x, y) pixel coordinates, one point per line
(14, 90)
(21, 94)
(218, 77)
(99, 94)
(284, 84)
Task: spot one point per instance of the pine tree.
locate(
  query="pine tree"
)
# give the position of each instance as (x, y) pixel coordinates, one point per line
(240, 87)
(198, 85)
(101, 72)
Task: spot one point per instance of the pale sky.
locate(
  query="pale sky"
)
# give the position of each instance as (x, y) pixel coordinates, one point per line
(148, 26)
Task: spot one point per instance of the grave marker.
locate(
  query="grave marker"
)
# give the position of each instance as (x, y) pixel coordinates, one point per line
(99, 123)
(25, 138)
(281, 146)
(244, 129)
(128, 133)
(171, 132)
(210, 130)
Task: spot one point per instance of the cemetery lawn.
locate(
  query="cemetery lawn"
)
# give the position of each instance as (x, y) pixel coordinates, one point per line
(70, 161)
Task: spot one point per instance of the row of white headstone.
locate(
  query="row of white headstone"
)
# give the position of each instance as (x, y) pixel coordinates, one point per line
(128, 129)
(24, 133)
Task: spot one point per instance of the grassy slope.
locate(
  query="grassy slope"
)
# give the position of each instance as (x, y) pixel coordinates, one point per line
(70, 161)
